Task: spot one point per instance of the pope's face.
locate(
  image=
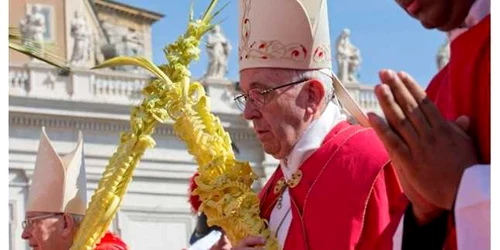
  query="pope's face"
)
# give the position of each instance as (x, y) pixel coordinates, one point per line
(280, 120)
(44, 231)
(444, 15)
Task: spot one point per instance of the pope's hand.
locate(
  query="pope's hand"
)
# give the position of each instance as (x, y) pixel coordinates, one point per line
(251, 243)
(222, 244)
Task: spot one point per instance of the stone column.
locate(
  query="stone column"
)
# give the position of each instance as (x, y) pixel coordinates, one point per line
(80, 84)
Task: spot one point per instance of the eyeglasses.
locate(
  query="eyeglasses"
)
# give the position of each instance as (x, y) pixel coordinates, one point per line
(257, 96)
(28, 222)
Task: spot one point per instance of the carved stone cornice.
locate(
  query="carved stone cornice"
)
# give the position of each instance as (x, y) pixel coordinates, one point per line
(28, 119)
(127, 10)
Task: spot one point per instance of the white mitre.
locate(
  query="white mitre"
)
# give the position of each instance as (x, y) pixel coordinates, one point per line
(291, 34)
(59, 184)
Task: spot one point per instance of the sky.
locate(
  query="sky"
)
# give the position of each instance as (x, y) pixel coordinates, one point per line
(386, 36)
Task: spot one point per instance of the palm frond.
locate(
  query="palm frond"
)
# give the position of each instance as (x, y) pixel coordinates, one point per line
(191, 11)
(217, 12)
(34, 49)
(136, 61)
(207, 15)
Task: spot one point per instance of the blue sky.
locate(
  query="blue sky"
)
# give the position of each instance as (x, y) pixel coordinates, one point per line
(385, 34)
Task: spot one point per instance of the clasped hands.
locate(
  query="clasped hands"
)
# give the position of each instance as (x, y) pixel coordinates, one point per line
(428, 152)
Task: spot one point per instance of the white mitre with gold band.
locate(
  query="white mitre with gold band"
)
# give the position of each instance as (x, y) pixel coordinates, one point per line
(59, 184)
(291, 34)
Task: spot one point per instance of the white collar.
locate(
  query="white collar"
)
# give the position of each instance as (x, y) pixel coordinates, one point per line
(311, 139)
(479, 10)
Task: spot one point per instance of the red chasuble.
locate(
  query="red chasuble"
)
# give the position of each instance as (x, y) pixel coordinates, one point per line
(463, 88)
(111, 242)
(347, 197)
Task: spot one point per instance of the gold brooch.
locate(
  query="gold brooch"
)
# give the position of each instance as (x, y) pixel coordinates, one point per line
(280, 186)
(293, 182)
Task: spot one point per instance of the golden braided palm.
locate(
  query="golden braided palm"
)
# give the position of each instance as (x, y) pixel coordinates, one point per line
(224, 183)
(33, 49)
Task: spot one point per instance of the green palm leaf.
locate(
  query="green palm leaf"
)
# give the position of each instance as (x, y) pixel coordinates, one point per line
(136, 61)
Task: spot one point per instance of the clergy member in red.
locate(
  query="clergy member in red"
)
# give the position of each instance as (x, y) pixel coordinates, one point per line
(334, 187)
(57, 200)
(444, 171)
(111, 241)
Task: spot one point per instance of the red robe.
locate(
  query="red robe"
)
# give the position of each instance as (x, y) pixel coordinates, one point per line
(463, 88)
(111, 242)
(347, 197)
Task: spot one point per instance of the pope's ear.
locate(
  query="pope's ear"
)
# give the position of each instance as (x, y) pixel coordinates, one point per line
(316, 94)
(68, 226)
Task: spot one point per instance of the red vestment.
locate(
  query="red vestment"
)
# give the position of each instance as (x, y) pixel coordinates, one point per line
(463, 88)
(347, 197)
(111, 242)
